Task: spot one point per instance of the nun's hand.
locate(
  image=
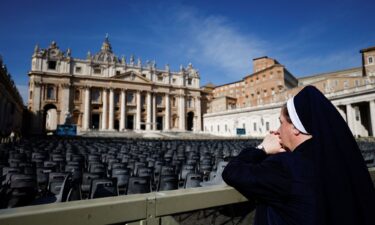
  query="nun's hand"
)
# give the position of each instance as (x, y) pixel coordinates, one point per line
(271, 144)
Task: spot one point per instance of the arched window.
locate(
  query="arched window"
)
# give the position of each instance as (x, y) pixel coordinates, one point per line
(51, 93)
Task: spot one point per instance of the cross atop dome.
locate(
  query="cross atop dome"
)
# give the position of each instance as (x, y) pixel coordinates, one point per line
(106, 46)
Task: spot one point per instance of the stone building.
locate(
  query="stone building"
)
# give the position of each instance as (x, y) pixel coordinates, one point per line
(267, 80)
(107, 93)
(11, 104)
(256, 107)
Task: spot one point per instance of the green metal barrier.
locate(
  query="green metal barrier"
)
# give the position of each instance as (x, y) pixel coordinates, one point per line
(151, 209)
(143, 208)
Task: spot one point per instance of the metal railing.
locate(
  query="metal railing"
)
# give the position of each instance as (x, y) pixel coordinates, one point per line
(152, 209)
(140, 208)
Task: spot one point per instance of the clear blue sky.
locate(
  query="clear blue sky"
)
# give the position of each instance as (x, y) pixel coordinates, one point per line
(220, 38)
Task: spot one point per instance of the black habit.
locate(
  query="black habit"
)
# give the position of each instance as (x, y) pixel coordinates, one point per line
(324, 181)
(282, 185)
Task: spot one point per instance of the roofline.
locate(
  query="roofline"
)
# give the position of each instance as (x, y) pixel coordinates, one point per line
(261, 71)
(262, 57)
(229, 83)
(328, 73)
(367, 49)
(225, 96)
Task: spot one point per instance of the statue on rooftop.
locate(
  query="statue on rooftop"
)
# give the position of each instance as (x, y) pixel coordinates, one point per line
(139, 62)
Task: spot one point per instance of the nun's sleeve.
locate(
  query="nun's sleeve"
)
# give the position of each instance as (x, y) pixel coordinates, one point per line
(257, 176)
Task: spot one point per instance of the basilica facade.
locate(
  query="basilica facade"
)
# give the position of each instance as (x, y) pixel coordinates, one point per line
(107, 93)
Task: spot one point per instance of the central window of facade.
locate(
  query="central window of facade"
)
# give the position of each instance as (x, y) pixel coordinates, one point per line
(95, 96)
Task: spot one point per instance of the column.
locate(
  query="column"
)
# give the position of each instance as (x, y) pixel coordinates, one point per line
(123, 110)
(148, 118)
(154, 106)
(372, 115)
(167, 117)
(138, 116)
(350, 117)
(111, 108)
(105, 109)
(181, 109)
(65, 103)
(86, 113)
(36, 109)
(198, 112)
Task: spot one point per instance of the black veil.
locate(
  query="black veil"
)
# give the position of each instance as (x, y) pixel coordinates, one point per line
(346, 194)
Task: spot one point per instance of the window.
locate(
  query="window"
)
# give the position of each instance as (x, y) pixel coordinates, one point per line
(174, 80)
(226, 128)
(255, 126)
(267, 126)
(77, 95)
(370, 60)
(31, 95)
(160, 78)
(159, 100)
(118, 72)
(130, 97)
(117, 98)
(51, 92)
(357, 113)
(174, 103)
(78, 69)
(218, 128)
(51, 65)
(97, 71)
(95, 96)
(346, 84)
(190, 102)
(244, 126)
(189, 81)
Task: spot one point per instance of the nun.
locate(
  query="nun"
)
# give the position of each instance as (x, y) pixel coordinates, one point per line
(309, 171)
